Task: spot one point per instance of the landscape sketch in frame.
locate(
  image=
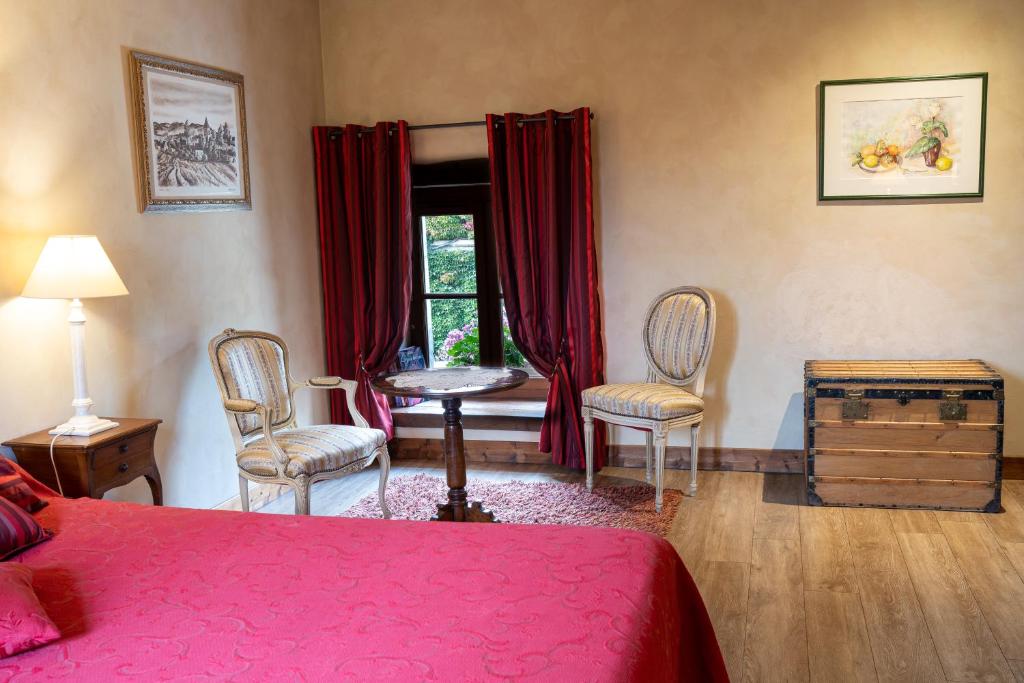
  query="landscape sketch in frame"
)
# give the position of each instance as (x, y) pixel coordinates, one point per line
(898, 138)
(190, 133)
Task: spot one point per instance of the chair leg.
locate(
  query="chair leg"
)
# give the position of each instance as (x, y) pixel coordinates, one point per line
(588, 446)
(301, 487)
(660, 444)
(649, 451)
(243, 492)
(385, 470)
(694, 434)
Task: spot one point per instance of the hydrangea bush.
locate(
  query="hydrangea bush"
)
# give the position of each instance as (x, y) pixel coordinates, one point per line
(462, 346)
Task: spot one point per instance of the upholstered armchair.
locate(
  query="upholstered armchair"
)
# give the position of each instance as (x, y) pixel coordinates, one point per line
(679, 330)
(258, 392)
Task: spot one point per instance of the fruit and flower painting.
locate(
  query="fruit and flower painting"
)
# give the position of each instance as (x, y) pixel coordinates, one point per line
(902, 136)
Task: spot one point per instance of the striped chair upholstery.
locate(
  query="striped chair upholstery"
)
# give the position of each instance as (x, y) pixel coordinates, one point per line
(643, 399)
(675, 336)
(312, 450)
(254, 368)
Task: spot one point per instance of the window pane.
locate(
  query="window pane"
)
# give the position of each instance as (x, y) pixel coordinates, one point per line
(450, 254)
(513, 357)
(452, 331)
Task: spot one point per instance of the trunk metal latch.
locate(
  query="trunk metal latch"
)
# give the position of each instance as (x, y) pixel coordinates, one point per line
(854, 405)
(950, 408)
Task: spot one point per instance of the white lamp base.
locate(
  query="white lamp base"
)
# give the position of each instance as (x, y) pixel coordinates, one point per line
(83, 422)
(85, 425)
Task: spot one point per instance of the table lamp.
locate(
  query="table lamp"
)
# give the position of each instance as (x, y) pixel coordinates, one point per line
(76, 267)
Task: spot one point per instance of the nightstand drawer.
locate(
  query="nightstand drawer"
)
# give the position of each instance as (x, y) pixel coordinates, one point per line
(127, 458)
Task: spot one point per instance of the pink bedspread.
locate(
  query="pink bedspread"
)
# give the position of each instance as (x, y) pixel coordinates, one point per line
(177, 594)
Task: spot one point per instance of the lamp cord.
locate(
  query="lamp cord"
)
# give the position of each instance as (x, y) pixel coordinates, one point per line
(53, 461)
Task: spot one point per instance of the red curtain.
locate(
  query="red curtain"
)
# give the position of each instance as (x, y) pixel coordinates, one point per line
(542, 202)
(363, 185)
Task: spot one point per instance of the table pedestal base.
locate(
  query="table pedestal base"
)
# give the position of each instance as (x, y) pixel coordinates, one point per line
(474, 512)
(457, 509)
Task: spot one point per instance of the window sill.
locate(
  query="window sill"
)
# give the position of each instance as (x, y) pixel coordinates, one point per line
(495, 414)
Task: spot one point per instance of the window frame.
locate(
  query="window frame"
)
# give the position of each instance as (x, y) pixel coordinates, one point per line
(457, 188)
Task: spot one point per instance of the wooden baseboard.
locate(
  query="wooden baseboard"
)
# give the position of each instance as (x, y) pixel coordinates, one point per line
(715, 458)
(711, 457)
(1013, 468)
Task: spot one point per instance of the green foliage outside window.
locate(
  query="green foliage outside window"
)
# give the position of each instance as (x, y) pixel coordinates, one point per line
(462, 346)
(440, 228)
(451, 269)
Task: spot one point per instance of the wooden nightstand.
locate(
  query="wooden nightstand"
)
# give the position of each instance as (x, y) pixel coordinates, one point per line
(92, 465)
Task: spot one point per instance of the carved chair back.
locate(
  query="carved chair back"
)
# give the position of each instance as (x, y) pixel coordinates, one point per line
(679, 331)
(253, 365)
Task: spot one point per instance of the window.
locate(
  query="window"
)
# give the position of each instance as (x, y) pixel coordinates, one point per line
(458, 316)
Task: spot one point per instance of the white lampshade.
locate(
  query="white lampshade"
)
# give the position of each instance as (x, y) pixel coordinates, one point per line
(73, 267)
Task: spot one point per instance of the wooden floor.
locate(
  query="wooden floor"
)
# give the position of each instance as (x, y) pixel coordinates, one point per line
(823, 594)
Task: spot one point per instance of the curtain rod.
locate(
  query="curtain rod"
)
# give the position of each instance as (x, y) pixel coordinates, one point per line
(466, 124)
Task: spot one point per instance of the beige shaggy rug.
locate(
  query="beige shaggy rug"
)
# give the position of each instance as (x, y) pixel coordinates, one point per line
(525, 502)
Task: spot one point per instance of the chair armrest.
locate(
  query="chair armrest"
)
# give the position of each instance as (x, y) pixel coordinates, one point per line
(247, 406)
(242, 405)
(350, 387)
(324, 382)
(331, 382)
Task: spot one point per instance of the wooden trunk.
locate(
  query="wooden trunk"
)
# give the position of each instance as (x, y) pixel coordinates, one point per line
(904, 434)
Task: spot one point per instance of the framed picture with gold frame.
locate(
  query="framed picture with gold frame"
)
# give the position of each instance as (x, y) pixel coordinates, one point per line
(189, 135)
(902, 138)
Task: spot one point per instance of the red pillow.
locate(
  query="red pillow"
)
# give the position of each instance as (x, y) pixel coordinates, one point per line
(18, 530)
(14, 488)
(23, 622)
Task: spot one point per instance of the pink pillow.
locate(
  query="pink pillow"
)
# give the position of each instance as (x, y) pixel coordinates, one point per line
(23, 622)
(14, 488)
(18, 529)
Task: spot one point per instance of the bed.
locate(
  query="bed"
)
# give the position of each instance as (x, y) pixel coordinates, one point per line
(180, 594)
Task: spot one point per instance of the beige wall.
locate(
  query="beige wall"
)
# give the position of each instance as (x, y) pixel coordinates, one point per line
(705, 147)
(706, 154)
(66, 167)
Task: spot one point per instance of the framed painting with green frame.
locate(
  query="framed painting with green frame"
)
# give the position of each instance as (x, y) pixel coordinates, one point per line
(902, 138)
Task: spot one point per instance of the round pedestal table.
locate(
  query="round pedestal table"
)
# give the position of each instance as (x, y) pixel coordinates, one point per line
(451, 385)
